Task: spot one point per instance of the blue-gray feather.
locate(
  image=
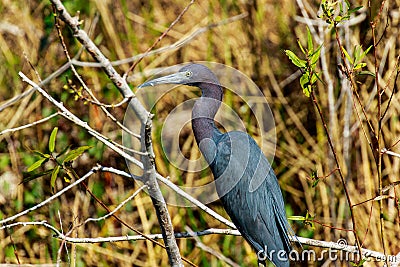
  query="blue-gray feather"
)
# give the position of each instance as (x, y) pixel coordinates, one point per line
(259, 215)
(245, 181)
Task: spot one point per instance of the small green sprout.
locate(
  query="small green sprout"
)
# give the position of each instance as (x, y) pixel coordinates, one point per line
(307, 65)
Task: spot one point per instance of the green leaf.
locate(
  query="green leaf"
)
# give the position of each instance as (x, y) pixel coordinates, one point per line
(366, 72)
(36, 164)
(318, 77)
(28, 176)
(310, 46)
(360, 65)
(315, 57)
(296, 218)
(347, 55)
(52, 140)
(305, 84)
(309, 216)
(295, 60)
(54, 175)
(314, 78)
(43, 155)
(365, 52)
(338, 18)
(63, 151)
(357, 52)
(315, 183)
(301, 47)
(353, 10)
(314, 174)
(75, 153)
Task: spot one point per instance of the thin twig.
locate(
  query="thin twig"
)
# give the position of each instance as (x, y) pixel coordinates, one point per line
(339, 170)
(95, 100)
(179, 191)
(14, 249)
(59, 193)
(158, 39)
(386, 151)
(12, 130)
(392, 94)
(377, 198)
(69, 115)
(92, 49)
(178, 44)
(378, 160)
(149, 178)
(116, 209)
(206, 248)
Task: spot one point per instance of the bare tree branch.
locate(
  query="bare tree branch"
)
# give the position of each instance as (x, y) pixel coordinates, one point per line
(339, 245)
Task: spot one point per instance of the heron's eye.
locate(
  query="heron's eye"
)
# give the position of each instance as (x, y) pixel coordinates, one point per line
(188, 74)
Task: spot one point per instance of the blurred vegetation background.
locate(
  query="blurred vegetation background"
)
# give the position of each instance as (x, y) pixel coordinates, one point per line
(254, 45)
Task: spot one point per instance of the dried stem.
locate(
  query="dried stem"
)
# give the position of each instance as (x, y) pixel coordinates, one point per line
(378, 159)
(159, 39)
(12, 130)
(339, 171)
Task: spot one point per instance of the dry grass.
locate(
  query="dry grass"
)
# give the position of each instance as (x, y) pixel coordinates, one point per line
(253, 45)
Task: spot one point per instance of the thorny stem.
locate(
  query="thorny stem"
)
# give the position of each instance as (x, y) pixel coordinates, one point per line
(339, 171)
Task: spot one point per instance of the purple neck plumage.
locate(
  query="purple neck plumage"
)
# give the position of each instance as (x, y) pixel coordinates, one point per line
(204, 111)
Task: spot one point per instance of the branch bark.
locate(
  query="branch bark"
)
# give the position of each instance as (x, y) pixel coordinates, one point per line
(149, 176)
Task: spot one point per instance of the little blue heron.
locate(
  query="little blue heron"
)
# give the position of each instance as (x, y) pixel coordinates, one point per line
(245, 181)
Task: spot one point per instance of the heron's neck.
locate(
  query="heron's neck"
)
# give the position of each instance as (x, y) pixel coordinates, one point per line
(204, 111)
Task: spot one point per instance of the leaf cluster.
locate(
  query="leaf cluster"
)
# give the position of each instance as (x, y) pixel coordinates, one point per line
(61, 160)
(356, 63)
(330, 15)
(307, 65)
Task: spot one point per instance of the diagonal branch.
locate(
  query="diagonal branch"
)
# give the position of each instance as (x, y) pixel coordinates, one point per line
(93, 50)
(147, 163)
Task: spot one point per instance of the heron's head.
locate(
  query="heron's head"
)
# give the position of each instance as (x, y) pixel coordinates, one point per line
(192, 74)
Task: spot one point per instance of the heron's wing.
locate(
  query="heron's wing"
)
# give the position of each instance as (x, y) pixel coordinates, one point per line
(259, 213)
